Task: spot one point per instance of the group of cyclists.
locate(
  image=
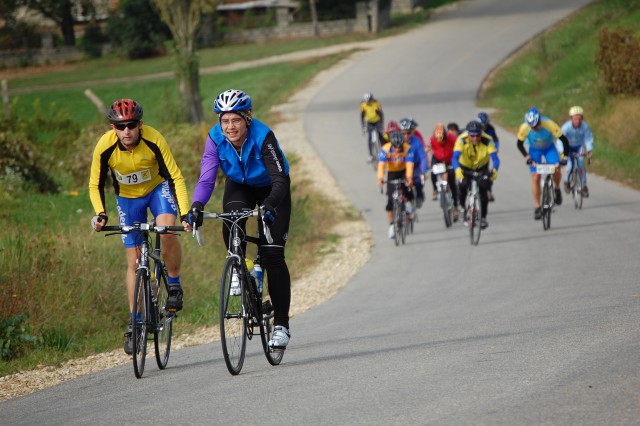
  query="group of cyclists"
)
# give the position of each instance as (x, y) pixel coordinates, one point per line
(475, 149)
(145, 176)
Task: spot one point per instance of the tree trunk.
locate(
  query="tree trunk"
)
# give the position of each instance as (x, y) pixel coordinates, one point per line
(187, 74)
(314, 16)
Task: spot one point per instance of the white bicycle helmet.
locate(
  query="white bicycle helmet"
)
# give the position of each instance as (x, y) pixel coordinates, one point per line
(367, 97)
(576, 110)
(231, 101)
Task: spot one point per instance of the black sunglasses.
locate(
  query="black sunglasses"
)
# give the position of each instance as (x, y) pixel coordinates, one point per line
(120, 126)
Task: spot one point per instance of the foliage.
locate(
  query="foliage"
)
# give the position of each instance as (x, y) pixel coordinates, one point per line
(92, 41)
(15, 337)
(557, 70)
(22, 163)
(618, 60)
(138, 30)
(60, 12)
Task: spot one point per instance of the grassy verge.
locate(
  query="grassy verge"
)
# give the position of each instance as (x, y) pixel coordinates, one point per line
(557, 70)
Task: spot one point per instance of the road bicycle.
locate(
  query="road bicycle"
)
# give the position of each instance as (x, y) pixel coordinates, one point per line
(151, 293)
(243, 309)
(575, 180)
(401, 220)
(444, 193)
(373, 139)
(547, 199)
(473, 207)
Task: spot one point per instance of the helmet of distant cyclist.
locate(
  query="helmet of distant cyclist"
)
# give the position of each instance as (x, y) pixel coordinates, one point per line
(392, 126)
(484, 118)
(396, 138)
(406, 124)
(576, 110)
(414, 123)
(124, 110)
(532, 117)
(367, 97)
(474, 128)
(453, 127)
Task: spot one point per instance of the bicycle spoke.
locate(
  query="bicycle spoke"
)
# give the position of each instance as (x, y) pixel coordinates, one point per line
(233, 322)
(139, 335)
(163, 319)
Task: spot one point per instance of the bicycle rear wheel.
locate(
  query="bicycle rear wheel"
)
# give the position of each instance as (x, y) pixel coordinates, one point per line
(274, 356)
(233, 319)
(139, 335)
(576, 188)
(163, 319)
(547, 197)
(474, 221)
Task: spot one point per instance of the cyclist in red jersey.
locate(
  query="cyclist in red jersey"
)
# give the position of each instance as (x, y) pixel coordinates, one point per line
(442, 143)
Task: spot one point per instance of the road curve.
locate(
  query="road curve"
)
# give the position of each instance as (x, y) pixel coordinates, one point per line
(530, 327)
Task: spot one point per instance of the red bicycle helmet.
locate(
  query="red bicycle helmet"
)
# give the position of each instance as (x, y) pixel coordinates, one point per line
(124, 110)
(392, 126)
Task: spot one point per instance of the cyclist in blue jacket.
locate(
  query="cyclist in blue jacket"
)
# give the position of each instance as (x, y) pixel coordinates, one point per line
(421, 161)
(580, 138)
(257, 174)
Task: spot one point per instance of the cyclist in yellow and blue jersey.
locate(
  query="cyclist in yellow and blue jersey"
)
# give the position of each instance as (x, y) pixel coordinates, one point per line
(145, 176)
(540, 133)
(397, 158)
(371, 117)
(472, 152)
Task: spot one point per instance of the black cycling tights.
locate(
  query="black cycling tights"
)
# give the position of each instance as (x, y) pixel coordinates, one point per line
(236, 197)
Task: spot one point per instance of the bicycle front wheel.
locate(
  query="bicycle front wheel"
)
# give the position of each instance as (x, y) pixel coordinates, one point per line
(139, 335)
(445, 204)
(397, 222)
(547, 200)
(233, 319)
(474, 222)
(374, 141)
(163, 320)
(576, 190)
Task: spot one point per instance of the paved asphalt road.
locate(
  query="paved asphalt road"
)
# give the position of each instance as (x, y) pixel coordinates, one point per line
(529, 327)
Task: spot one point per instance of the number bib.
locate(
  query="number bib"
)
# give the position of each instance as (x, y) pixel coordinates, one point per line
(133, 178)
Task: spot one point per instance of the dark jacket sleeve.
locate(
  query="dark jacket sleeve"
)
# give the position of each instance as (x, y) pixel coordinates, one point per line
(274, 162)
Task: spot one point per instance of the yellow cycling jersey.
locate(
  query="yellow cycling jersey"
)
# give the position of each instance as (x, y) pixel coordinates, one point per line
(395, 161)
(370, 111)
(135, 174)
(474, 157)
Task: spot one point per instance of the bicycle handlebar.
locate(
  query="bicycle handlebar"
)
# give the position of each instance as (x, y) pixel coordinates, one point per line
(142, 226)
(234, 216)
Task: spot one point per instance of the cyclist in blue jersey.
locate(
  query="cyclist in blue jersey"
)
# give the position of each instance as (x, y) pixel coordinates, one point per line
(540, 133)
(580, 138)
(488, 128)
(257, 174)
(420, 160)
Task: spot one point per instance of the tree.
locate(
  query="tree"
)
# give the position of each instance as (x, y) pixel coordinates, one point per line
(58, 11)
(183, 18)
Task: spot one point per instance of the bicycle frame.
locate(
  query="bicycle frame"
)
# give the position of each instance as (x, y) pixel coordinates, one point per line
(399, 210)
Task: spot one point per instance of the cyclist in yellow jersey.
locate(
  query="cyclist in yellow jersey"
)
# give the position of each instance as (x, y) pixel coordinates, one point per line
(145, 176)
(396, 157)
(472, 152)
(371, 117)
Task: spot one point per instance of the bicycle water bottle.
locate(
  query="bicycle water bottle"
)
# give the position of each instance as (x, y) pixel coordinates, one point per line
(257, 272)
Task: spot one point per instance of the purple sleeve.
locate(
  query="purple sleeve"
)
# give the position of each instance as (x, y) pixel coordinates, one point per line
(208, 173)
